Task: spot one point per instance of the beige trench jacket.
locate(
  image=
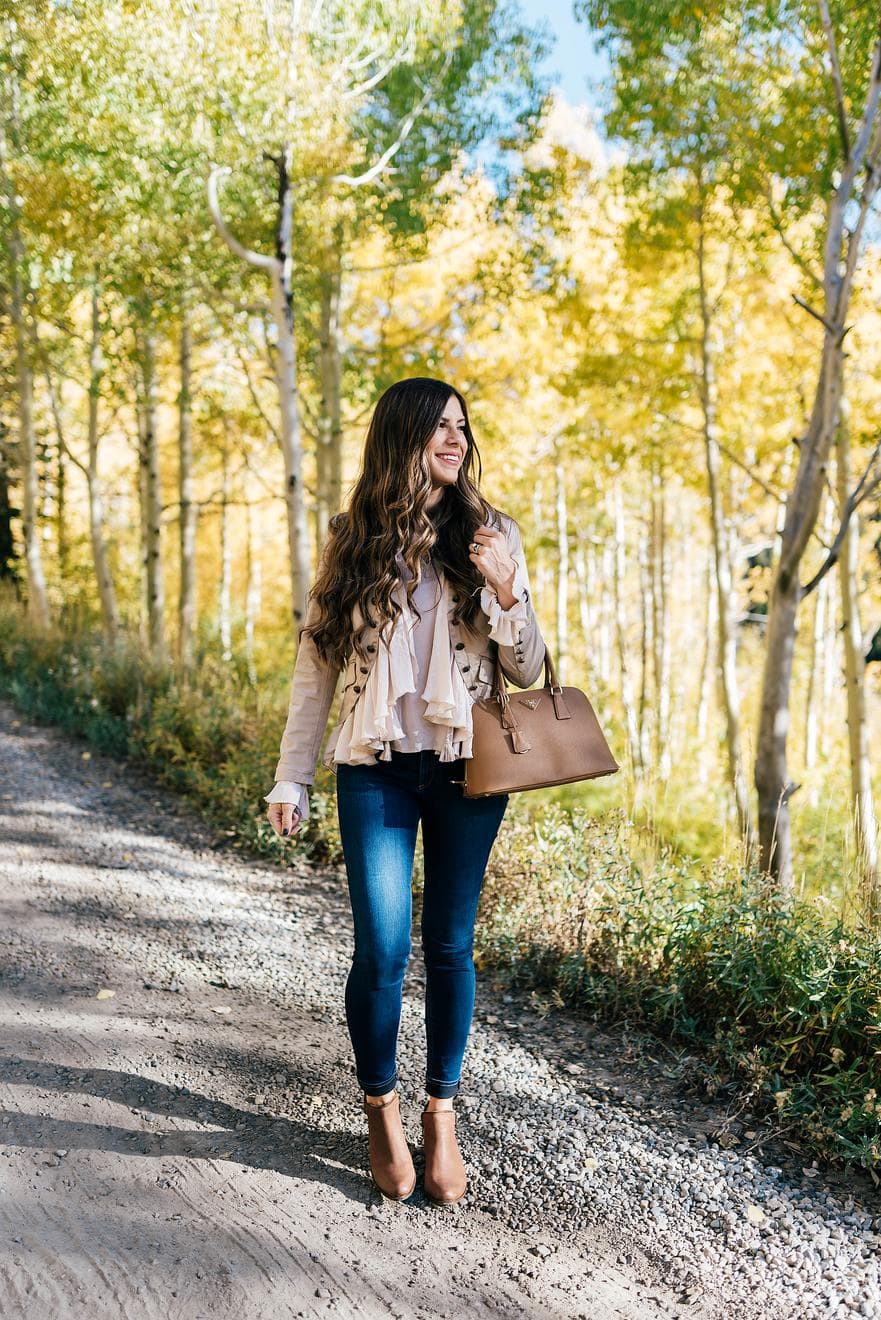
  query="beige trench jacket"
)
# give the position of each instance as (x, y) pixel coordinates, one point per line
(314, 684)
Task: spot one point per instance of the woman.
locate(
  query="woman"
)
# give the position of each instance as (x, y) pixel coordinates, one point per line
(394, 606)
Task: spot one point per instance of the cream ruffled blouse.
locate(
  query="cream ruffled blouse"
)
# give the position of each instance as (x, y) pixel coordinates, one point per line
(375, 724)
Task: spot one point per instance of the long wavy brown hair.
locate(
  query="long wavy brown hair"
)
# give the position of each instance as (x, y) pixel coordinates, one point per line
(387, 514)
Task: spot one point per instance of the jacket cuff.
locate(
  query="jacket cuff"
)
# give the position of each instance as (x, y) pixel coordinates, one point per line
(286, 790)
(506, 626)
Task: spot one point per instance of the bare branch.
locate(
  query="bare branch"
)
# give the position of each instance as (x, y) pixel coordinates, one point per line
(352, 60)
(254, 258)
(252, 390)
(818, 316)
(397, 57)
(777, 221)
(861, 492)
(837, 83)
(406, 124)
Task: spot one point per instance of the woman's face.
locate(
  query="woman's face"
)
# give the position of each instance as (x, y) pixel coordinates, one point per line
(448, 445)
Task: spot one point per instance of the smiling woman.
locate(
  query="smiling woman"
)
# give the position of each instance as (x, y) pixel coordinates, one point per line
(421, 583)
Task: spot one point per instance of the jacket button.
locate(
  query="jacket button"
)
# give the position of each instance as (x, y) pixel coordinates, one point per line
(465, 669)
(357, 688)
(371, 647)
(455, 598)
(472, 687)
(363, 669)
(460, 646)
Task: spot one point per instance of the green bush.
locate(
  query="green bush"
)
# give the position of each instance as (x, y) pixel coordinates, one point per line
(777, 999)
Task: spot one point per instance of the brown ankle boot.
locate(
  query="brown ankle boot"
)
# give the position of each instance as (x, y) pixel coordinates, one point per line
(391, 1163)
(445, 1176)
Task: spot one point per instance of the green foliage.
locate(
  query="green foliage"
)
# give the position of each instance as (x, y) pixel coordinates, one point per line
(784, 1005)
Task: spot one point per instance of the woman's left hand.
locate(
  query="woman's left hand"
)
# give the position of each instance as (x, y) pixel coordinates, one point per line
(493, 557)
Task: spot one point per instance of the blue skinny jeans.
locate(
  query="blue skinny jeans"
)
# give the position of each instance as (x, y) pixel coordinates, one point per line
(380, 806)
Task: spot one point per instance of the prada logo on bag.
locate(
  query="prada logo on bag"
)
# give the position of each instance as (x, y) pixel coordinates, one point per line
(531, 702)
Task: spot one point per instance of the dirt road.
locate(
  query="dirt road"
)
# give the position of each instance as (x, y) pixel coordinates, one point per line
(180, 1133)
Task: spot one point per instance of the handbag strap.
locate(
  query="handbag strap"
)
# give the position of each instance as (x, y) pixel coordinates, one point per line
(509, 719)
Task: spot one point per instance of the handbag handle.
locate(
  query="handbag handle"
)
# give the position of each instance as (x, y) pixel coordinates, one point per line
(500, 684)
(508, 718)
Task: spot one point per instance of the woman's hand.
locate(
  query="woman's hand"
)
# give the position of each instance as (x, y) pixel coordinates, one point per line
(494, 560)
(284, 817)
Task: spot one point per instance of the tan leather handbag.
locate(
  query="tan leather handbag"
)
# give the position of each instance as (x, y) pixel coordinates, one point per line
(548, 735)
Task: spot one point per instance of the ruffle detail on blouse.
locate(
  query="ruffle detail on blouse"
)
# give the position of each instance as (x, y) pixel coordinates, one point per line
(373, 725)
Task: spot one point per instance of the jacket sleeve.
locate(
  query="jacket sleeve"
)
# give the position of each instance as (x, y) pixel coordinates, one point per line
(516, 630)
(313, 687)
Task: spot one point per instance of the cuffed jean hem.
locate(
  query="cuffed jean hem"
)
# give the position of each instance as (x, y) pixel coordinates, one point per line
(382, 1089)
(441, 1090)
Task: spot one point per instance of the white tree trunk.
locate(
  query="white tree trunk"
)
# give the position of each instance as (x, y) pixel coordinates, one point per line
(706, 759)
(330, 432)
(865, 824)
(97, 528)
(819, 676)
(562, 656)
(256, 536)
(37, 594)
(188, 508)
(224, 601)
(153, 568)
(619, 577)
(856, 189)
(645, 721)
(605, 615)
(584, 588)
(292, 451)
(660, 634)
(722, 559)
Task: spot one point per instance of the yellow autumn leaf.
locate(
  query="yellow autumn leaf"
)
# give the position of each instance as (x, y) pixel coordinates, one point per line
(105, 994)
(755, 1214)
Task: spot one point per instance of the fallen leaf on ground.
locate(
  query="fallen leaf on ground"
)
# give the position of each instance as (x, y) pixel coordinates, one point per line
(105, 994)
(220, 1008)
(755, 1214)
